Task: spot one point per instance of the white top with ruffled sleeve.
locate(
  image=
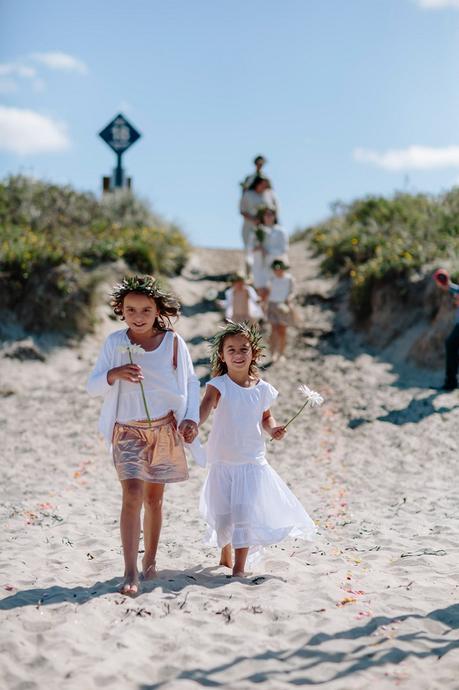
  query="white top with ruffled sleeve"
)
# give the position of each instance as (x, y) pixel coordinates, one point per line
(237, 436)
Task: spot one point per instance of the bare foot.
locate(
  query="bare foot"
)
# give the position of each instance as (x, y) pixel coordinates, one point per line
(130, 586)
(226, 556)
(149, 570)
(238, 573)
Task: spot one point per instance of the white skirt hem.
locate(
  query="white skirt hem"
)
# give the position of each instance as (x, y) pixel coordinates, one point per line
(251, 506)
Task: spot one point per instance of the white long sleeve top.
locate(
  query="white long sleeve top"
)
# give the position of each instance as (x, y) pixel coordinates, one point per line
(186, 383)
(277, 244)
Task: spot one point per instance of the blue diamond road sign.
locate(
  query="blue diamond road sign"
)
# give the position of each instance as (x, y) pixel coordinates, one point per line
(119, 134)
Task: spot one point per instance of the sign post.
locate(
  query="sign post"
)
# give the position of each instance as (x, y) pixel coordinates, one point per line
(119, 134)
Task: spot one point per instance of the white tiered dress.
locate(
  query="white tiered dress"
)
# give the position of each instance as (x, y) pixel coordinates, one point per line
(244, 501)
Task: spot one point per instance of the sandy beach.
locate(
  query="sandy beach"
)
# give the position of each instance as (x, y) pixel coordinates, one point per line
(372, 603)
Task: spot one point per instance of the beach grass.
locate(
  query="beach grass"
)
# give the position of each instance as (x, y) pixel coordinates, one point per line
(54, 236)
(376, 239)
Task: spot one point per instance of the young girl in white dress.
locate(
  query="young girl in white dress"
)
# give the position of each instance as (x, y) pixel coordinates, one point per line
(281, 311)
(145, 424)
(244, 501)
(241, 302)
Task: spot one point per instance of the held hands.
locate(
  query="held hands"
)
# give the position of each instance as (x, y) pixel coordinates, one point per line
(277, 433)
(126, 372)
(189, 430)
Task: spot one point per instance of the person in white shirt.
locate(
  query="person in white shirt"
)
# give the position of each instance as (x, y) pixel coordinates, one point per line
(260, 193)
(277, 241)
(147, 410)
(244, 501)
(280, 312)
(267, 242)
(241, 302)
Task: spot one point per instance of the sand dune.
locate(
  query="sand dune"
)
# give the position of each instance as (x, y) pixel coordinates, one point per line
(373, 603)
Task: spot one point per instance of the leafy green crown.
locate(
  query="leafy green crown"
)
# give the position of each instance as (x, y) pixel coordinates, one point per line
(145, 285)
(248, 330)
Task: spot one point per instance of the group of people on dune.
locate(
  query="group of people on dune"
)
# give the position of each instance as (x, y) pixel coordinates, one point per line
(151, 410)
(265, 291)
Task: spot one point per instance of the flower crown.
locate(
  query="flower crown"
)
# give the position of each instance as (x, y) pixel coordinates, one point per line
(145, 285)
(166, 302)
(249, 331)
(261, 210)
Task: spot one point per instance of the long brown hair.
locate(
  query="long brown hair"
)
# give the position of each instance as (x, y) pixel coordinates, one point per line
(166, 303)
(253, 335)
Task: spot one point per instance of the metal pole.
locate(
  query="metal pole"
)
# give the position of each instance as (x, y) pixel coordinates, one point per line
(118, 172)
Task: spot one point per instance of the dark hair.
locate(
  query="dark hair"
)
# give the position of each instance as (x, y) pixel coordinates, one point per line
(279, 264)
(262, 210)
(259, 158)
(166, 303)
(257, 179)
(253, 335)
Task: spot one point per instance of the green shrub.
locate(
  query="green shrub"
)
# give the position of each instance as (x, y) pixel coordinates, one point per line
(376, 239)
(45, 227)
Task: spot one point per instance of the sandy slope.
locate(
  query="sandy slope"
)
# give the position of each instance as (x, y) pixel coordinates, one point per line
(372, 604)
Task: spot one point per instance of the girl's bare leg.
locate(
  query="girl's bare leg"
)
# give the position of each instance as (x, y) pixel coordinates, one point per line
(152, 522)
(226, 557)
(130, 532)
(263, 294)
(239, 561)
(282, 338)
(271, 340)
(274, 342)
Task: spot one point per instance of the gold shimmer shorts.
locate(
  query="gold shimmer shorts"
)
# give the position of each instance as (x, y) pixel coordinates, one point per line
(152, 453)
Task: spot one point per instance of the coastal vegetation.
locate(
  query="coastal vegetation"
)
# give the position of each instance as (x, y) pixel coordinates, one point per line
(54, 238)
(375, 240)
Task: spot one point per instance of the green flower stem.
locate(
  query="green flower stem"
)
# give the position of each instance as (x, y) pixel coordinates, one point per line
(294, 417)
(143, 394)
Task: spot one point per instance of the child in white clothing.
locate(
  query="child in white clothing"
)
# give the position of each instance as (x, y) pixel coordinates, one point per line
(280, 309)
(277, 240)
(146, 413)
(241, 301)
(244, 501)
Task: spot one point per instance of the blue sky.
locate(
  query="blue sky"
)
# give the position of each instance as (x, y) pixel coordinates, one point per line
(344, 97)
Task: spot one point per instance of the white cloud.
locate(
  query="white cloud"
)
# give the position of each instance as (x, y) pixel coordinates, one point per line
(437, 4)
(27, 132)
(61, 61)
(411, 158)
(16, 69)
(10, 72)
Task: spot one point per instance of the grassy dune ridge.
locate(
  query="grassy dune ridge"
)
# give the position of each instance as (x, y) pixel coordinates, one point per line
(52, 238)
(376, 239)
